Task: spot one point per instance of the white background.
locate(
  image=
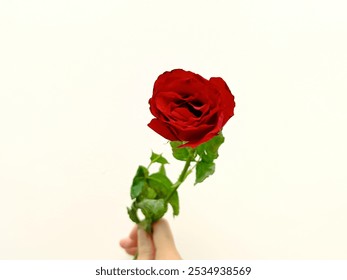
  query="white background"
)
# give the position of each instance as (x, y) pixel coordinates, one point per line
(75, 79)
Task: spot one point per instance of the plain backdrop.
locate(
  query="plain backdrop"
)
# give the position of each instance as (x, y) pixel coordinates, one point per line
(75, 79)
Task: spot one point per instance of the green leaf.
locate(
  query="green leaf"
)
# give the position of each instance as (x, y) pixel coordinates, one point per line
(153, 209)
(132, 214)
(160, 183)
(150, 193)
(158, 158)
(203, 170)
(174, 202)
(139, 182)
(208, 151)
(163, 186)
(180, 153)
(162, 169)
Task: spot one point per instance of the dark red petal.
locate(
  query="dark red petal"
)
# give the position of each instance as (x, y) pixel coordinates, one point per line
(164, 80)
(183, 82)
(208, 136)
(227, 102)
(164, 100)
(162, 129)
(153, 108)
(192, 133)
(181, 113)
(177, 74)
(212, 133)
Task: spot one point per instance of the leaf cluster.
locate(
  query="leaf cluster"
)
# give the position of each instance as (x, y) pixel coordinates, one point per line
(204, 156)
(153, 192)
(149, 193)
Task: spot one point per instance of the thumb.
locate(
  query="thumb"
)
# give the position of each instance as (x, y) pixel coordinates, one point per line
(144, 245)
(164, 243)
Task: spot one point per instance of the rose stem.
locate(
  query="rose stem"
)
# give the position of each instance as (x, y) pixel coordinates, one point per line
(181, 179)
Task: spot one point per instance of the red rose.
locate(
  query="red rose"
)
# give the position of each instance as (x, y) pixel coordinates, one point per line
(189, 108)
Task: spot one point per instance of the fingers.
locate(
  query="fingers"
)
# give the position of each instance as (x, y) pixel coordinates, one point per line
(145, 245)
(129, 244)
(131, 251)
(165, 248)
(162, 235)
(160, 245)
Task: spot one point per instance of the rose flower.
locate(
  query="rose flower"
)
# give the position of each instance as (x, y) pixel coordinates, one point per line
(189, 108)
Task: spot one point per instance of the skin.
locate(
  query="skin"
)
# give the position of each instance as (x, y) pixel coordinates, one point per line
(158, 246)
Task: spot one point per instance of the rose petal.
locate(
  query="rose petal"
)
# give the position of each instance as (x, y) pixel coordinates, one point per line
(192, 133)
(227, 99)
(207, 136)
(162, 129)
(164, 80)
(181, 113)
(165, 99)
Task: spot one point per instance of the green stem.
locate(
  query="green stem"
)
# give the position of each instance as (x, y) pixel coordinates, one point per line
(135, 256)
(181, 179)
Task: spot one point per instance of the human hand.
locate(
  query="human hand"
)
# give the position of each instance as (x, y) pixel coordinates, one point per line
(159, 245)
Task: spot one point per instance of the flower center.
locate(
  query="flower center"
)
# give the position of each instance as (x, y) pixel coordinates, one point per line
(194, 110)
